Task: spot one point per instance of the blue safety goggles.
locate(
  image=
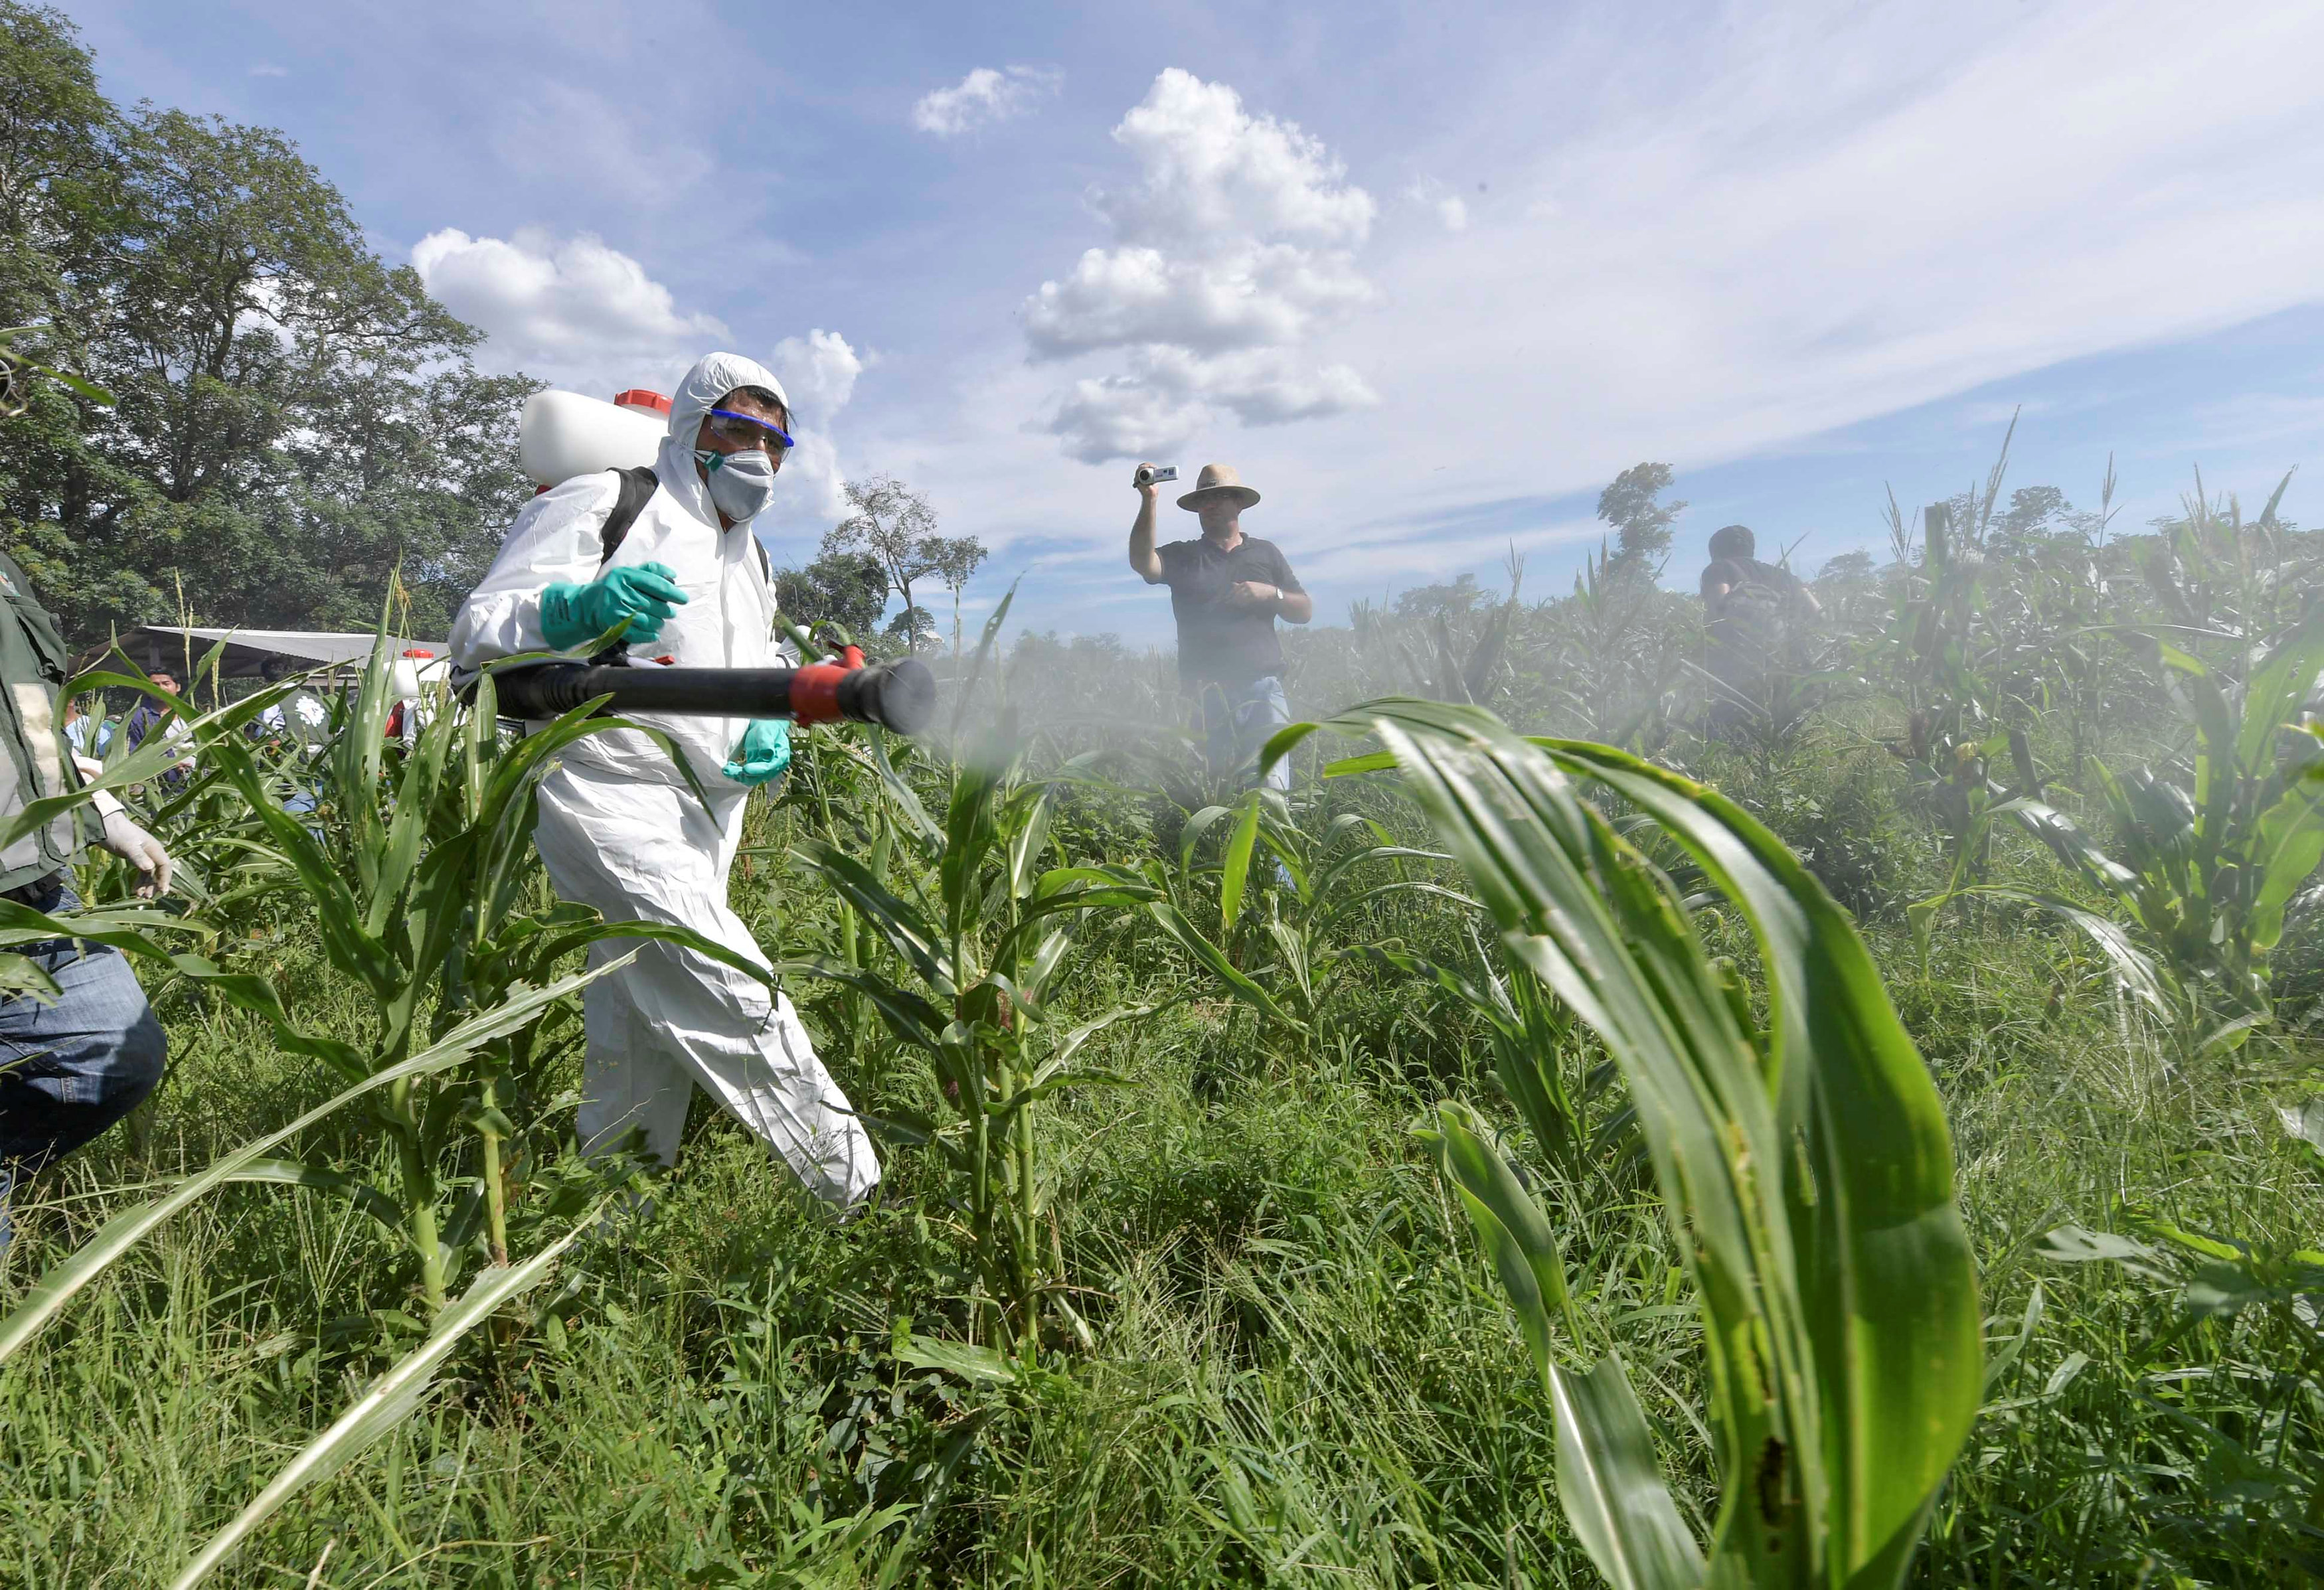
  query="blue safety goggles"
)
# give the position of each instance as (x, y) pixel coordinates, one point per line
(749, 432)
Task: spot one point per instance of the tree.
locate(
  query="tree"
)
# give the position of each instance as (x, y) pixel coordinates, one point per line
(1455, 601)
(849, 588)
(954, 560)
(1643, 525)
(296, 420)
(915, 626)
(1848, 571)
(894, 524)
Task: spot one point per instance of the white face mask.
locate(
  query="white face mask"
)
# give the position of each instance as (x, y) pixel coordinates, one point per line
(741, 484)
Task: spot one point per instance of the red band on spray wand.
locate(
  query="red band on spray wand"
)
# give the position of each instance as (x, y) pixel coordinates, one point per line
(814, 689)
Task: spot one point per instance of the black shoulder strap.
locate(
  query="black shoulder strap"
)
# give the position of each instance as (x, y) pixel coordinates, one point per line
(638, 486)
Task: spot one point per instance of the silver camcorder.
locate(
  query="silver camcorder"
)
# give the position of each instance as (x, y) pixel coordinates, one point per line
(1157, 474)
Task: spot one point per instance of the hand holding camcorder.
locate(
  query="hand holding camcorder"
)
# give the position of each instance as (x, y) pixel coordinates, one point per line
(1154, 475)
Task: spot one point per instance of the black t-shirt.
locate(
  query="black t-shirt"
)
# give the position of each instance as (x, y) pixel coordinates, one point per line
(1218, 643)
(1732, 572)
(1747, 626)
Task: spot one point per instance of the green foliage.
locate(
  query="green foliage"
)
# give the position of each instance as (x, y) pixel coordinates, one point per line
(296, 422)
(1641, 522)
(979, 924)
(849, 588)
(1806, 1171)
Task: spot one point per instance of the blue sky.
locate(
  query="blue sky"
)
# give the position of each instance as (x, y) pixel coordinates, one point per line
(1428, 276)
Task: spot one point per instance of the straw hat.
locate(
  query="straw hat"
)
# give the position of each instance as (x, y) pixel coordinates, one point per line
(1216, 481)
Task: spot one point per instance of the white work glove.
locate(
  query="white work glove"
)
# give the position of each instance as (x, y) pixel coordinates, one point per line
(141, 850)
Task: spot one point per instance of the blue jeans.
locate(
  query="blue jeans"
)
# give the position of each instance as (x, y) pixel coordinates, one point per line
(1236, 721)
(69, 1070)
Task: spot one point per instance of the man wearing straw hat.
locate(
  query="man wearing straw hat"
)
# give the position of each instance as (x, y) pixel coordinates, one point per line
(1227, 589)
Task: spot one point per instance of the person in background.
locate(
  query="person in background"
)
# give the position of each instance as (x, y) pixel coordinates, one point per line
(91, 738)
(299, 720)
(1751, 611)
(1227, 589)
(71, 1065)
(151, 716)
(415, 703)
(620, 828)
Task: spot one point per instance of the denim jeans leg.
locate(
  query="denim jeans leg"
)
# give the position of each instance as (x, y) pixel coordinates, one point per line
(69, 1070)
(1260, 709)
(1215, 721)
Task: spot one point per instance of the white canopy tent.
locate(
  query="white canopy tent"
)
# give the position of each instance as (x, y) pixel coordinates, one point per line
(181, 650)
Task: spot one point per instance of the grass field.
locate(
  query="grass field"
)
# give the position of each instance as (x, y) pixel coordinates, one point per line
(1261, 1344)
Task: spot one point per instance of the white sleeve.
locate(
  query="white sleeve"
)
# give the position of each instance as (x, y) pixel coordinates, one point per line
(558, 536)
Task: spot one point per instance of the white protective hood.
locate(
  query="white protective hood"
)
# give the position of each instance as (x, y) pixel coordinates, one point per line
(714, 376)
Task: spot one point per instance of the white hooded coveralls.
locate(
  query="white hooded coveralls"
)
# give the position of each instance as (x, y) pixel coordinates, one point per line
(620, 830)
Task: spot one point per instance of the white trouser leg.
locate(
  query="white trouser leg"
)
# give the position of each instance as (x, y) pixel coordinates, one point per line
(627, 1082)
(648, 851)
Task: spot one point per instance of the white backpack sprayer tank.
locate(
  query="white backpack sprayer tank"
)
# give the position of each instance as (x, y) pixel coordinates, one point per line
(565, 433)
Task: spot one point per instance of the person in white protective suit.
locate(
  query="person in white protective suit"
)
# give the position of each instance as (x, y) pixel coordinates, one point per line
(620, 830)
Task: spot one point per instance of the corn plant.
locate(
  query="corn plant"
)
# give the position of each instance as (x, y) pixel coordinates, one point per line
(2204, 860)
(979, 926)
(1283, 895)
(1807, 1170)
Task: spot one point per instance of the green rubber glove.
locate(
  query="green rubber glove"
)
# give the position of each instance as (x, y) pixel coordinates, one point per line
(645, 593)
(764, 754)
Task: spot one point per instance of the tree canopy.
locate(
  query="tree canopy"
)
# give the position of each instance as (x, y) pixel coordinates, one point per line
(1642, 523)
(295, 420)
(895, 526)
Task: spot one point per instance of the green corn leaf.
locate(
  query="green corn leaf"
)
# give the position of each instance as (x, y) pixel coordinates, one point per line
(900, 790)
(1516, 1235)
(299, 1173)
(415, 801)
(1071, 1043)
(976, 1365)
(2273, 695)
(1611, 1487)
(19, 924)
(1208, 956)
(1191, 835)
(1886, 1275)
(389, 1400)
(2286, 848)
(1817, 1215)
(910, 1016)
(972, 828)
(905, 929)
(1028, 834)
(1237, 869)
(2137, 971)
(54, 1290)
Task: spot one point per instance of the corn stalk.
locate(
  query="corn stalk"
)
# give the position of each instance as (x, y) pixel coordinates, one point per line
(1806, 1171)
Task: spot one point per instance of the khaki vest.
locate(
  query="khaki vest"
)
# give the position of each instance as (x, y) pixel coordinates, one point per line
(35, 759)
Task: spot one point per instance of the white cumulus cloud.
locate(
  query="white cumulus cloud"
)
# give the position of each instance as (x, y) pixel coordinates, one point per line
(1452, 210)
(1235, 246)
(573, 311)
(984, 97)
(818, 374)
(1168, 394)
